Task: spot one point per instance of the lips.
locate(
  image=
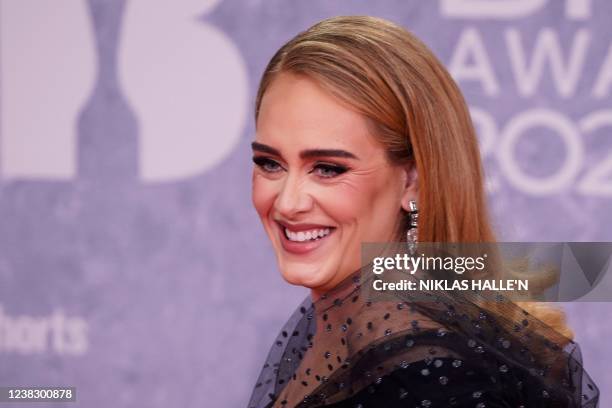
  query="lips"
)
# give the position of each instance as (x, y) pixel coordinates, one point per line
(303, 238)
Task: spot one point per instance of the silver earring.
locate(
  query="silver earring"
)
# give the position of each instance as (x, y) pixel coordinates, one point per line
(412, 233)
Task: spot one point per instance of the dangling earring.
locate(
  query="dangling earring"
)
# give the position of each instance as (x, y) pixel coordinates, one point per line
(412, 233)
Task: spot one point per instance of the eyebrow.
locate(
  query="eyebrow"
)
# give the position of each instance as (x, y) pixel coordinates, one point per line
(306, 154)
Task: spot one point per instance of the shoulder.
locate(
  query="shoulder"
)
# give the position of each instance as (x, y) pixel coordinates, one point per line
(439, 382)
(436, 367)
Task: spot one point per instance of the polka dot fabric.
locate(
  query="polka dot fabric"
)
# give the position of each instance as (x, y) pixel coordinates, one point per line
(447, 351)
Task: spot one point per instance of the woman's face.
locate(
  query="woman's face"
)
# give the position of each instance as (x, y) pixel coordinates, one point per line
(322, 184)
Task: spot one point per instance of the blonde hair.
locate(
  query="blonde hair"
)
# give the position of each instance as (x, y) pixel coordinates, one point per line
(419, 114)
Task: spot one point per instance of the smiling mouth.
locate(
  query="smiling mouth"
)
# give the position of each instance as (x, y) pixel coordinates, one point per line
(306, 236)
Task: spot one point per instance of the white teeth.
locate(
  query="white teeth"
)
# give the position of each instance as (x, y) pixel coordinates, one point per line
(310, 235)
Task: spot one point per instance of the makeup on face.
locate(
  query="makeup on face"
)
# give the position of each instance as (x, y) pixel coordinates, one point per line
(322, 183)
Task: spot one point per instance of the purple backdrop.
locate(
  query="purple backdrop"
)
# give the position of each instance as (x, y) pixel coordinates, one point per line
(132, 265)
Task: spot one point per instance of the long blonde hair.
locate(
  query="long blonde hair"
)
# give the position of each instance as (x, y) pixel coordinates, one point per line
(392, 78)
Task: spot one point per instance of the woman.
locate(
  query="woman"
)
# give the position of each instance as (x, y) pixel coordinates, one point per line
(357, 125)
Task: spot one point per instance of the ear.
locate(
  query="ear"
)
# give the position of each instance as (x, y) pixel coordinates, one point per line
(411, 185)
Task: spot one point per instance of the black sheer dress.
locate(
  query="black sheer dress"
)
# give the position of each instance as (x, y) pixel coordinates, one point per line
(447, 351)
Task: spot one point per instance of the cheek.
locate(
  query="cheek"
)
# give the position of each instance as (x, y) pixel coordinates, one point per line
(372, 202)
(262, 195)
(349, 202)
(339, 202)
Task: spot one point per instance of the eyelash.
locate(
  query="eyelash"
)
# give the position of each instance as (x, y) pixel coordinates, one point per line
(329, 167)
(262, 162)
(265, 162)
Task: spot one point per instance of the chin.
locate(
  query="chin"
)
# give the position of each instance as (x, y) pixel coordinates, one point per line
(309, 276)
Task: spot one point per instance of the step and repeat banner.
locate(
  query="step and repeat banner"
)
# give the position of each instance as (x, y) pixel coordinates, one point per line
(132, 266)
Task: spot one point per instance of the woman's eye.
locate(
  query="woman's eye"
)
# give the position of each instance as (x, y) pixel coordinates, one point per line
(328, 170)
(266, 164)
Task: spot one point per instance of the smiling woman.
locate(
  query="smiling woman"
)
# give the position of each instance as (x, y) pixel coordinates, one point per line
(357, 122)
(320, 176)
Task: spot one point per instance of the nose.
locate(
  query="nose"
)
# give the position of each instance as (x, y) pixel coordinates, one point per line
(293, 197)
